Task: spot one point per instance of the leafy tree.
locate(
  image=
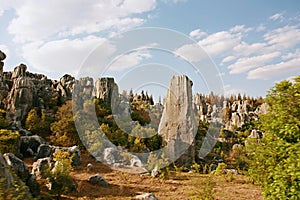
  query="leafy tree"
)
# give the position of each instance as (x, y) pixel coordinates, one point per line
(275, 160)
(32, 121)
(64, 132)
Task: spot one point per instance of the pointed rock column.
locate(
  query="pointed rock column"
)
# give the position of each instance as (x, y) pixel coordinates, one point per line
(178, 123)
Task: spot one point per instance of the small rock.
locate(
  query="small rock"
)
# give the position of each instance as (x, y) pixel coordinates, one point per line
(97, 179)
(33, 185)
(155, 173)
(146, 196)
(89, 167)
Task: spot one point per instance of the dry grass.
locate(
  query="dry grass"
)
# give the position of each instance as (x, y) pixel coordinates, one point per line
(179, 186)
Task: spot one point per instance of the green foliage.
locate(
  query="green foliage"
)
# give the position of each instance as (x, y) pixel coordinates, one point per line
(220, 169)
(16, 191)
(8, 141)
(58, 177)
(64, 132)
(275, 160)
(195, 167)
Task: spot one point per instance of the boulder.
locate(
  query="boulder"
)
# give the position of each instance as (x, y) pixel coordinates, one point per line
(178, 125)
(5, 173)
(75, 152)
(30, 144)
(19, 167)
(146, 196)
(97, 179)
(2, 55)
(39, 167)
(45, 150)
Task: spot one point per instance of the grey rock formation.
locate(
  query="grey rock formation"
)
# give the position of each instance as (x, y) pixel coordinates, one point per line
(178, 123)
(2, 57)
(30, 144)
(5, 173)
(97, 179)
(106, 89)
(39, 167)
(19, 167)
(46, 150)
(146, 196)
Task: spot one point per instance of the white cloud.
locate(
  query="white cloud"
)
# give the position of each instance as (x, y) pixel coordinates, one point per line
(228, 59)
(285, 37)
(277, 16)
(197, 34)
(63, 56)
(291, 55)
(260, 28)
(246, 63)
(39, 20)
(245, 49)
(129, 60)
(191, 52)
(268, 72)
(220, 42)
(239, 29)
(229, 91)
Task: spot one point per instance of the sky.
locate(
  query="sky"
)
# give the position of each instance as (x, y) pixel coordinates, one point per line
(250, 44)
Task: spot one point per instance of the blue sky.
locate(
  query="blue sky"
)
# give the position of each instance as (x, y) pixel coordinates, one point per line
(253, 44)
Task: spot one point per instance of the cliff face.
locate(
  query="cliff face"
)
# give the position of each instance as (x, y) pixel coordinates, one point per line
(178, 123)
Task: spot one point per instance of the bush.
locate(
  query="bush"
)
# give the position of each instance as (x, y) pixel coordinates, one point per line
(8, 141)
(58, 178)
(275, 160)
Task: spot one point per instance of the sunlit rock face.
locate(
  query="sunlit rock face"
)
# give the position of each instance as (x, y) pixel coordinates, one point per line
(178, 124)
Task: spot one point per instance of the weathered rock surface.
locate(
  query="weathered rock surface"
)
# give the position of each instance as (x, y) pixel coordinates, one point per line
(178, 123)
(19, 167)
(29, 145)
(97, 179)
(146, 196)
(39, 167)
(5, 173)
(106, 89)
(46, 150)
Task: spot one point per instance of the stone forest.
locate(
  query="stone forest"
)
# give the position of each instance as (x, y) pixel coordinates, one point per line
(185, 146)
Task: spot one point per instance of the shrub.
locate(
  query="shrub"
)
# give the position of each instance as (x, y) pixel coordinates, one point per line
(58, 178)
(8, 141)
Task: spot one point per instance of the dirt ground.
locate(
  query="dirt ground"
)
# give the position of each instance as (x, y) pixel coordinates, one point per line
(179, 185)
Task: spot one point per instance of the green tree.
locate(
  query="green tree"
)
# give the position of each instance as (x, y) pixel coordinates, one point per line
(8, 141)
(3, 121)
(64, 132)
(32, 121)
(59, 177)
(275, 160)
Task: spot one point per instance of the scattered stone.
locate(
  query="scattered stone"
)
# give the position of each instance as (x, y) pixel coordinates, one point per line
(155, 172)
(146, 196)
(233, 171)
(89, 167)
(97, 179)
(135, 162)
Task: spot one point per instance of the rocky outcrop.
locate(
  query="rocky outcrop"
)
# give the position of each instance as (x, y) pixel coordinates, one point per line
(106, 89)
(178, 123)
(46, 150)
(2, 57)
(19, 167)
(29, 145)
(5, 173)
